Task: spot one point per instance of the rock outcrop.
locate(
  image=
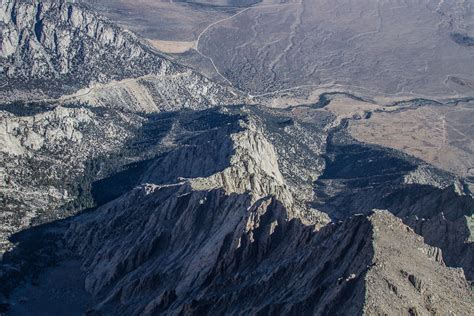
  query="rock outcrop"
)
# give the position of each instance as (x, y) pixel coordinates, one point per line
(182, 248)
(211, 225)
(409, 277)
(57, 39)
(54, 48)
(430, 201)
(175, 200)
(47, 158)
(227, 237)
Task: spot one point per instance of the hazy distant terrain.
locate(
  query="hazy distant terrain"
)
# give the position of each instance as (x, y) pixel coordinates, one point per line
(441, 135)
(161, 20)
(375, 48)
(224, 2)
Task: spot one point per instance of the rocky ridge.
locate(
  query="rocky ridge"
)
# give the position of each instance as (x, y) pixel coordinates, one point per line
(235, 242)
(54, 48)
(46, 157)
(62, 43)
(204, 208)
(218, 196)
(112, 84)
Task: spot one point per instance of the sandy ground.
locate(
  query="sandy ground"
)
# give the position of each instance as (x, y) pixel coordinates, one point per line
(161, 20)
(173, 47)
(441, 136)
(391, 49)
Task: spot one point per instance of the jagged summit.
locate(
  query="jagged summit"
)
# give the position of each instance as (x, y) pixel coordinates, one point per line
(256, 258)
(228, 238)
(215, 225)
(132, 185)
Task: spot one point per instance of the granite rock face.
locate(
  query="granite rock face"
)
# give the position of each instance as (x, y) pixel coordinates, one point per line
(54, 48)
(177, 195)
(235, 226)
(416, 282)
(56, 39)
(47, 156)
(230, 238)
(95, 88)
(212, 218)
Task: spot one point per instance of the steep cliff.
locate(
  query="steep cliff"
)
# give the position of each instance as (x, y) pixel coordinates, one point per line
(221, 231)
(212, 224)
(143, 188)
(228, 237)
(49, 159)
(55, 47)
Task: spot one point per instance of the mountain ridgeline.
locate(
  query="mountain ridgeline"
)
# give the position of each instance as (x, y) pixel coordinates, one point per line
(52, 48)
(132, 185)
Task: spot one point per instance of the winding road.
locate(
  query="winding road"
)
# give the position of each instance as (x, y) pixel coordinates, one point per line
(196, 46)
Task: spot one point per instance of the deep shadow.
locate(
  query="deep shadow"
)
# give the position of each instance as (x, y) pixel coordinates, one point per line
(293, 250)
(110, 188)
(43, 246)
(359, 178)
(462, 39)
(36, 248)
(159, 169)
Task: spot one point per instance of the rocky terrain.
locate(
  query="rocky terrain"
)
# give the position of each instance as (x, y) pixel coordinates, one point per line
(218, 213)
(54, 48)
(53, 149)
(131, 185)
(248, 225)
